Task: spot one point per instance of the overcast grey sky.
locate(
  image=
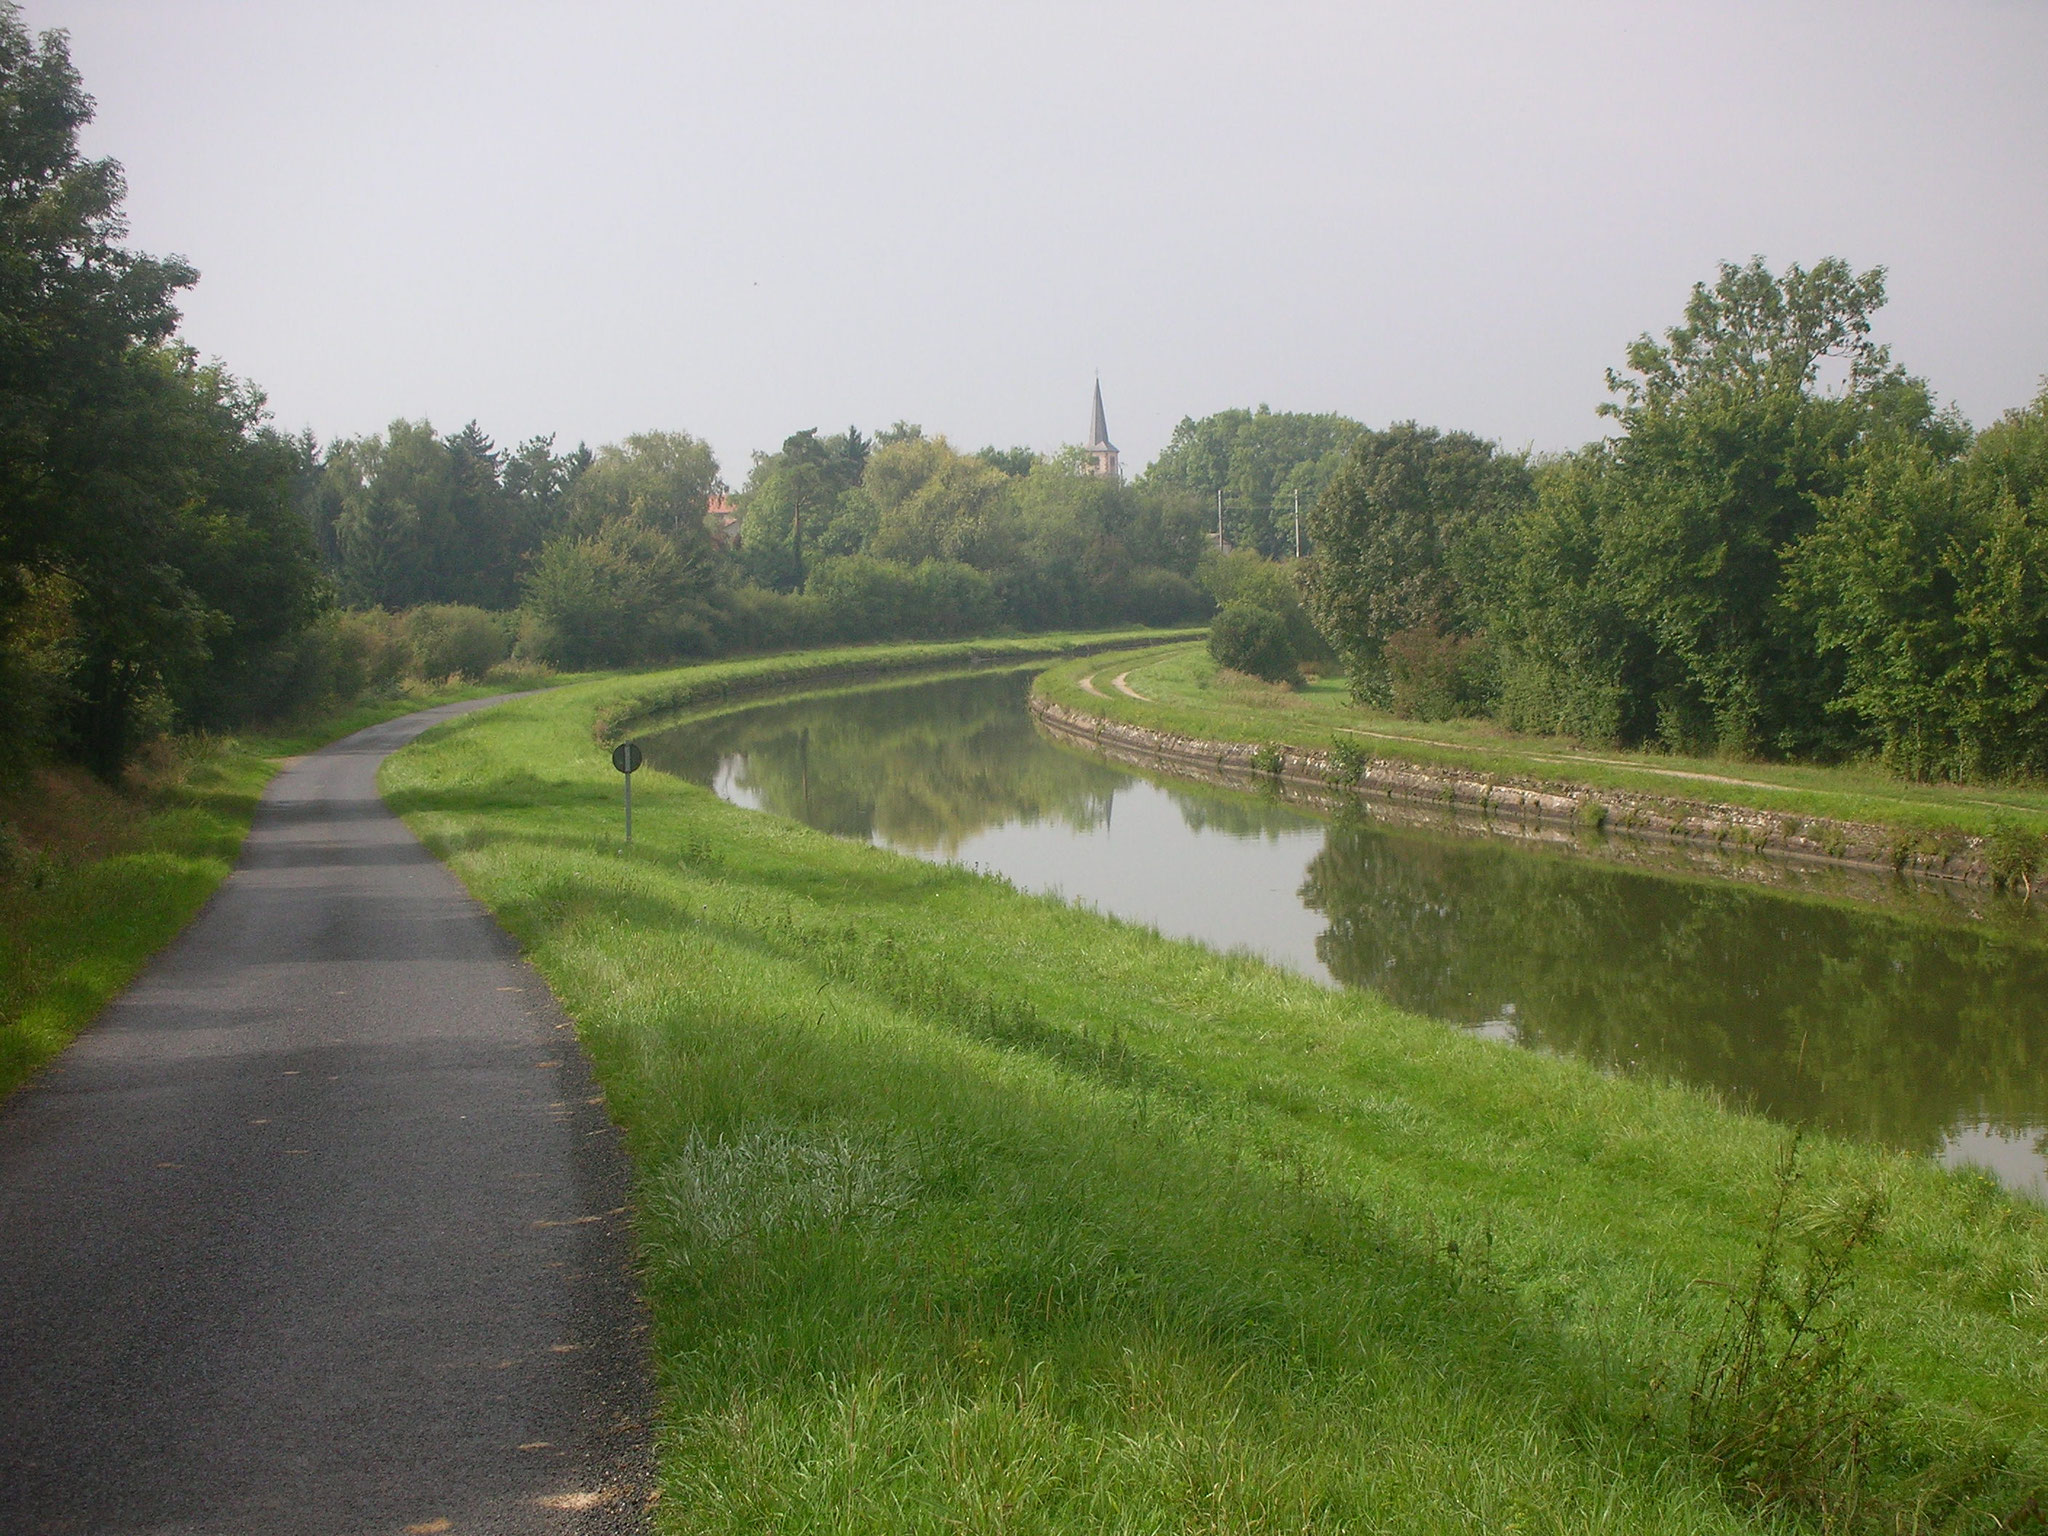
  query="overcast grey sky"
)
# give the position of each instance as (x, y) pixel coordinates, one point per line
(744, 219)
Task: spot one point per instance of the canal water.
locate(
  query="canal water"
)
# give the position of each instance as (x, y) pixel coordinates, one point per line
(1921, 1025)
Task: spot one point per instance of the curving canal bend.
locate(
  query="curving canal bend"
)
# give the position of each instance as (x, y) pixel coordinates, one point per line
(1920, 1024)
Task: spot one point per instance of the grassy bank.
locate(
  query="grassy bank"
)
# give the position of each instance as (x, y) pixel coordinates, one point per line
(965, 1210)
(651, 698)
(95, 879)
(1187, 695)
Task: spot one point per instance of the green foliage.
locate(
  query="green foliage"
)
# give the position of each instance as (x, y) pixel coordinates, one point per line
(1432, 675)
(1055, 546)
(1762, 563)
(451, 640)
(38, 654)
(1406, 535)
(840, 537)
(148, 548)
(1245, 577)
(1262, 461)
(1929, 578)
(411, 517)
(1252, 639)
(623, 595)
(657, 481)
(809, 492)
(933, 503)
(747, 618)
(2016, 854)
(1729, 446)
(1014, 462)
(1348, 763)
(860, 597)
(1562, 644)
(1782, 1408)
(1155, 596)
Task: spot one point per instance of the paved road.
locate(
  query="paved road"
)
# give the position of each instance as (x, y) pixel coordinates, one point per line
(318, 1229)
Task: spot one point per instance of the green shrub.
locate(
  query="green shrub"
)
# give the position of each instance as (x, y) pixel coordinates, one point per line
(452, 639)
(949, 598)
(750, 618)
(860, 597)
(340, 657)
(2015, 855)
(1433, 675)
(1254, 640)
(1348, 762)
(1243, 577)
(1155, 596)
(625, 595)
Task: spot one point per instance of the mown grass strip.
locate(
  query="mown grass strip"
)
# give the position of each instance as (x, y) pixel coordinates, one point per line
(673, 692)
(963, 1209)
(1188, 697)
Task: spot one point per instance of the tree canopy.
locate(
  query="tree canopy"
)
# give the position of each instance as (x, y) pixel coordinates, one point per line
(147, 544)
(1785, 549)
(1404, 536)
(1261, 461)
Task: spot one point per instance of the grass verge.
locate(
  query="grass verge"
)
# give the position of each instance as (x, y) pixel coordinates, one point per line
(651, 697)
(94, 880)
(961, 1209)
(1187, 695)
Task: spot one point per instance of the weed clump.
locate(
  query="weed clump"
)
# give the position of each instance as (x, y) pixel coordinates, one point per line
(1785, 1413)
(1348, 763)
(2014, 855)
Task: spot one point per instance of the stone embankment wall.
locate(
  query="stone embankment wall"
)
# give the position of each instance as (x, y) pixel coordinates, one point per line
(1543, 810)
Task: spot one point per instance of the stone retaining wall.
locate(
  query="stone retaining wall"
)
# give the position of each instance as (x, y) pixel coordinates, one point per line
(1541, 809)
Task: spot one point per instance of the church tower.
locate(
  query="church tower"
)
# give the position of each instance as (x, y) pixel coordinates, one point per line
(1100, 450)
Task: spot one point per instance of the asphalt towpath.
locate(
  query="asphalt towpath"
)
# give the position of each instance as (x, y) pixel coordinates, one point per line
(320, 1227)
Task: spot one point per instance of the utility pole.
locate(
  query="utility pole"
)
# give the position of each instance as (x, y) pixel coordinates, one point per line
(1297, 522)
(1219, 519)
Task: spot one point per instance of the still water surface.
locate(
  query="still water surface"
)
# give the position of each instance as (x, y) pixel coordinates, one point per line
(1917, 1028)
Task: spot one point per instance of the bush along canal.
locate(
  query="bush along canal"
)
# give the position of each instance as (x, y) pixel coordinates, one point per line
(966, 1208)
(1919, 1024)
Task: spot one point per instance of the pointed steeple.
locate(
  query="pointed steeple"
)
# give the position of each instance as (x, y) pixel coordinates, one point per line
(1101, 451)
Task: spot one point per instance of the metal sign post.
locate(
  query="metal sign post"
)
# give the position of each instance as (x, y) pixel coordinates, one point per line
(625, 758)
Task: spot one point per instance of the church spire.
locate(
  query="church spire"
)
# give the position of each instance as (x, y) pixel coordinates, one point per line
(1101, 451)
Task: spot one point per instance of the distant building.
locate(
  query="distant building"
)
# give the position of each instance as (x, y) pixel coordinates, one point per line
(723, 522)
(1100, 450)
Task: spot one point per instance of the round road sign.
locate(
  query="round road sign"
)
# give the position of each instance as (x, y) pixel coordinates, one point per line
(626, 756)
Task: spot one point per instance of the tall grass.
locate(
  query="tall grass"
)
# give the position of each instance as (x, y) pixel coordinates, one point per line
(962, 1209)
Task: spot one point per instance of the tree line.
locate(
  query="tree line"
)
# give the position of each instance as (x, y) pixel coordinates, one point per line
(1786, 549)
(169, 559)
(150, 556)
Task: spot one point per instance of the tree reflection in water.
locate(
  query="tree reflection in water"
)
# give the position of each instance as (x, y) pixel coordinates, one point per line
(1896, 1029)
(1920, 1031)
(922, 768)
